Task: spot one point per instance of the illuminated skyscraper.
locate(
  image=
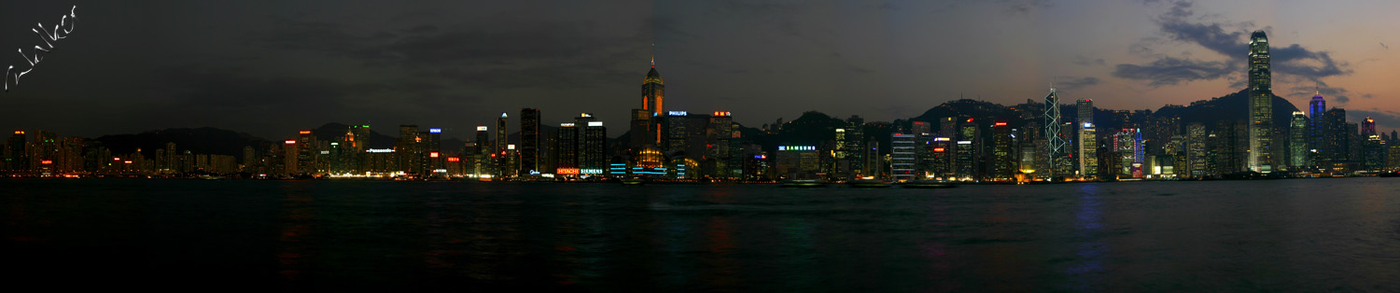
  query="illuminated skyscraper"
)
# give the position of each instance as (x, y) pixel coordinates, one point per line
(1261, 98)
(855, 146)
(592, 146)
(409, 149)
(968, 156)
(567, 158)
(306, 153)
(1297, 141)
(1128, 144)
(530, 141)
(1003, 162)
(18, 158)
(902, 156)
(1373, 150)
(483, 140)
(1317, 129)
(653, 92)
(1088, 150)
(502, 137)
(482, 154)
(1055, 147)
(1086, 145)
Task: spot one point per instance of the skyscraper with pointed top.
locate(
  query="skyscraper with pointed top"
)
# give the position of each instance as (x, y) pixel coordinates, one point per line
(1261, 110)
(645, 130)
(653, 91)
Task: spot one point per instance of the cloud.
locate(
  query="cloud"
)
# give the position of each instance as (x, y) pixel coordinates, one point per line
(1295, 60)
(1384, 119)
(1228, 39)
(1076, 83)
(1085, 61)
(1023, 6)
(1340, 95)
(1172, 71)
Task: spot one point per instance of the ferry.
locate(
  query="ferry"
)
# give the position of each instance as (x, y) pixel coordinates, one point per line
(869, 183)
(804, 183)
(633, 181)
(929, 184)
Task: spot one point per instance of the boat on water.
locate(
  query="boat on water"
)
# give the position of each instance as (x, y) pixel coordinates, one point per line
(869, 183)
(1388, 174)
(929, 184)
(633, 181)
(804, 183)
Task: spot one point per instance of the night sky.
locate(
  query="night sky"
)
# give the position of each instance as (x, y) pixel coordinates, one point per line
(271, 68)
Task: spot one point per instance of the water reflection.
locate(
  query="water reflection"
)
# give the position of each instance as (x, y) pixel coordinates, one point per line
(295, 244)
(1086, 273)
(936, 250)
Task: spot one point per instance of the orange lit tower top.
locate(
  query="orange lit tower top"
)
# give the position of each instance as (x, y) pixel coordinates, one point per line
(653, 92)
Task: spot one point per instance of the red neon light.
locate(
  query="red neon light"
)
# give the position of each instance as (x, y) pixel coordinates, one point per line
(999, 124)
(289, 141)
(19, 132)
(453, 159)
(937, 150)
(304, 132)
(918, 123)
(116, 159)
(969, 119)
(433, 154)
(46, 162)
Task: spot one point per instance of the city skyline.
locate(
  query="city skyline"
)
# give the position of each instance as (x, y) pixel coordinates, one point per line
(301, 64)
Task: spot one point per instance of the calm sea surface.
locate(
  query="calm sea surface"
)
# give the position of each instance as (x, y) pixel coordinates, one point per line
(1286, 235)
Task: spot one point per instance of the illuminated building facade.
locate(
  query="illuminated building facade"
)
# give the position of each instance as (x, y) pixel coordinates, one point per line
(592, 151)
(1086, 144)
(653, 92)
(567, 160)
(1088, 150)
(1297, 141)
(1128, 144)
(530, 150)
(1003, 164)
(797, 161)
(1261, 98)
(902, 156)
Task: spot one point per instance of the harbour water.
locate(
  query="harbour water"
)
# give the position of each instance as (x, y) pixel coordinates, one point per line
(1278, 235)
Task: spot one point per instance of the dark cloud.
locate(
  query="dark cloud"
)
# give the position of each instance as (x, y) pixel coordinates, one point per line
(1229, 39)
(1023, 6)
(1384, 119)
(1172, 71)
(1341, 100)
(1085, 61)
(1295, 60)
(1319, 87)
(1076, 83)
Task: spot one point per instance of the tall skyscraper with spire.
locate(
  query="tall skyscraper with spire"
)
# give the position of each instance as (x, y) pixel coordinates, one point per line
(653, 91)
(1261, 110)
(1057, 143)
(645, 129)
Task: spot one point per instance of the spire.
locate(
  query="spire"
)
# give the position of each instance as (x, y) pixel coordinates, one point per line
(653, 55)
